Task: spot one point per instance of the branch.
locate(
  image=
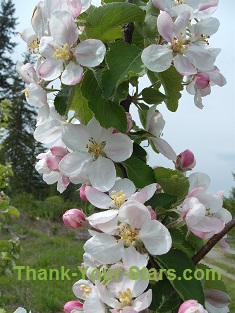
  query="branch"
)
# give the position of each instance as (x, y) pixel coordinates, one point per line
(128, 29)
(212, 242)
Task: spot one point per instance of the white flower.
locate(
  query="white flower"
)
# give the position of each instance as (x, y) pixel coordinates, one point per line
(133, 227)
(188, 55)
(123, 190)
(61, 57)
(125, 294)
(96, 149)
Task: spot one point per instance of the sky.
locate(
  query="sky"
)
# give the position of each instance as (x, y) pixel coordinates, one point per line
(209, 133)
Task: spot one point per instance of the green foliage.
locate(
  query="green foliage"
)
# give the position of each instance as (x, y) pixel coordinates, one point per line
(178, 261)
(172, 83)
(139, 172)
(172, 182)
(7, 30)
(63, 99)
(165, 297)
(123, 61)
(106, 112)
(80, 106)
(19, 147)
(105, 22)
(152, 96)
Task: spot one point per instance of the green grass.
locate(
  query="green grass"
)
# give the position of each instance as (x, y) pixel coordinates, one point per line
(42, 251)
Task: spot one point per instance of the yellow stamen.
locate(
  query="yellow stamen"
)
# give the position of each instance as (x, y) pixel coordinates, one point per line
(34, 46)
(118, 198)
(63, 53)
(86, 290)
(125, 298)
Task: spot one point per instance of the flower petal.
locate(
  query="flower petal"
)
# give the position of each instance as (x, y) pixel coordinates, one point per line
(50, 69)
(62, 27)
(157, 58)
(118, 147)
(102, 174)
(90, 52)
(72, 74)
(48, 132)
(163, 147)
(104, 248)
(98, 198)
(155, 237)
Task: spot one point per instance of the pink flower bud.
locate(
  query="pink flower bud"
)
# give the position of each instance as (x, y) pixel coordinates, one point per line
(185, 161)
(73, 305)
(191, 306)
(201, 80)
(82, 193)
(74, 218)
(152, 213)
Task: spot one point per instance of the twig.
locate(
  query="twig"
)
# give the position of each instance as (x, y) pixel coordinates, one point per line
(212, 242)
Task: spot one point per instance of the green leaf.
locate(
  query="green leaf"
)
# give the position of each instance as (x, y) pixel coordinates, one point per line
(80, 106)
(179, 242)
(178, 262)
(63, 99)
(152, 96)
(106, 112)
(172, 182)
(123, 61)
(139, 152)
(139, 172)
(172, 83)
(165, 298)
(5, 245)
(105, 22)
(149, 27)
(163, 200)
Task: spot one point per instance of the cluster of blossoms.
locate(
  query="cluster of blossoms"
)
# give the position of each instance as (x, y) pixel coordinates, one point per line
(128, 231)
(186, 45)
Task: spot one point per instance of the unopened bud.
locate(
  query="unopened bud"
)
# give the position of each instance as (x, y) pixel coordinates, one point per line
(74, 218)
(185, 161)
(191, 306)
(73, 306)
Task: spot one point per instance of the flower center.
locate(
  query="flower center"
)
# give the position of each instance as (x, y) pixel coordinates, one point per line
(125, 297)
(129, 236)
(63, 53)
(118, 198)
(179, 45)
(34, 46)
(86, 290)
(95, 148)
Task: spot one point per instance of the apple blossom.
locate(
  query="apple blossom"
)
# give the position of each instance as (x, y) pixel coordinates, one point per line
(185, 161)
(34, 93)
(60, 55)
(191, 306)
(82, 193)
(188, 55)
(200, 85)
(154, 125)
(123, 190)
(125, 294)
(197, 8)
(133, 226)
(87, 291)
(48, 165)
(74, 218)
(96, 148)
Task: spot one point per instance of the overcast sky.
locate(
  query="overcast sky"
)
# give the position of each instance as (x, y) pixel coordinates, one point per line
(208, 133)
